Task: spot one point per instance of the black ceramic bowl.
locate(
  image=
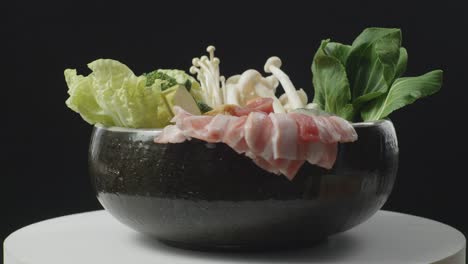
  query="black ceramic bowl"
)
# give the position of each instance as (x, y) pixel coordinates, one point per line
(206, 196)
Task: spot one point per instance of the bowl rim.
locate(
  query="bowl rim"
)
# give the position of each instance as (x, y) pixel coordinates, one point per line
(158, 130)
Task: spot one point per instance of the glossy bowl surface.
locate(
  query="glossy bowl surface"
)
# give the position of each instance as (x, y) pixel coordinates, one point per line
(206, 196)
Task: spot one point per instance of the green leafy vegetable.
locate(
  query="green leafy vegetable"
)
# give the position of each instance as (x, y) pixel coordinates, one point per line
(332, 92)
(363, 80)
(402, 61)
(337, 50)
(372, 63)
(404, 91)
(113, 96)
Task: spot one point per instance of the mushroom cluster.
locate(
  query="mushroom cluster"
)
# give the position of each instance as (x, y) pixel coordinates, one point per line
(239, 89)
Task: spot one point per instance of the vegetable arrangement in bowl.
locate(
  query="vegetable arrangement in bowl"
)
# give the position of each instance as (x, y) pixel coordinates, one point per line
(279, 132)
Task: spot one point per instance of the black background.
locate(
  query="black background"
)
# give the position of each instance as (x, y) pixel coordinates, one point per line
(44, 144)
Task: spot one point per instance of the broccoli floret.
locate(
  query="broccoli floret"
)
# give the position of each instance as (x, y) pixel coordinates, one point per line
(156, 75)
(204, 107)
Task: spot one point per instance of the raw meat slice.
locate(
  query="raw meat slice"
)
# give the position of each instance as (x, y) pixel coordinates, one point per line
(277, 142)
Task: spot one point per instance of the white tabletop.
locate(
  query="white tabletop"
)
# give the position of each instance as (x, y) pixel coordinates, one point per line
(96, 237)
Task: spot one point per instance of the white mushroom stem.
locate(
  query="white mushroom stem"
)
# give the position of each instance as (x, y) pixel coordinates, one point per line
(277, 106)
(285, 100)
(223, 88)
(210, 80)
(195, 70)
(232, 96)
(250, 85)
(207, 70)
(214, 67)
(272, 66)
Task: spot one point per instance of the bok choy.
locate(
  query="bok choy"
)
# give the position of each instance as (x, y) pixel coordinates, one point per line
(363, 81)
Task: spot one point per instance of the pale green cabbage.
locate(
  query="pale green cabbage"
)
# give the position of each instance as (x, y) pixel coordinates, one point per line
(112, 95)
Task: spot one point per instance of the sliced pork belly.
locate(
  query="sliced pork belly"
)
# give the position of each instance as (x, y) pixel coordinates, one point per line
(171, 134)
(284, 137)
(257, 131)
(277, 142)
(308, 130)
(344, 128)
(234, 136)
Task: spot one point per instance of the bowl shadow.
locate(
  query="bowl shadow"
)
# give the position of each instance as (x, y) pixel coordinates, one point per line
(328, 250)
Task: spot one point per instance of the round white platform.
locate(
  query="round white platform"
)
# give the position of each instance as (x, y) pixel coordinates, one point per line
(96, 237)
